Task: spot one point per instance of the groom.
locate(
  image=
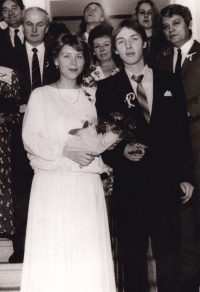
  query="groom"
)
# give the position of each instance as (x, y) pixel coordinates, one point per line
(149, 188)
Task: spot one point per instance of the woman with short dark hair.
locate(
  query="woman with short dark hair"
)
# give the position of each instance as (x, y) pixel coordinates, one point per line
(105, 61)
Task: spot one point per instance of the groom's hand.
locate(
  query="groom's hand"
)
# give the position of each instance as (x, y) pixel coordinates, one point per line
(134, 152)
(187, 189)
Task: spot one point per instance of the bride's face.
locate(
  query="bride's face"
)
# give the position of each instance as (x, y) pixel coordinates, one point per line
(70, 62)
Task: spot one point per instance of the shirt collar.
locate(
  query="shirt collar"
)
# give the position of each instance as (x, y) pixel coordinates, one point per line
(146, 71)
(185, 48)
(29, 48)
(12, 29)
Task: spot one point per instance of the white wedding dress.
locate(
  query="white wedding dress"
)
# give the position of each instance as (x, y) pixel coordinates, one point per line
(67, 242)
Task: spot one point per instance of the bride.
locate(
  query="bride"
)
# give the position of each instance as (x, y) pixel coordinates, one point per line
(67, 242)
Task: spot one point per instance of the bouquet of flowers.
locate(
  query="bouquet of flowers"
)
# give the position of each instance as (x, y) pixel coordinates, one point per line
(101, 134)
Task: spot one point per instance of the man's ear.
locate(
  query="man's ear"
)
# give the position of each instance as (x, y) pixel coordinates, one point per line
(144, 45)
(116, 52)
(102, 18)
(190, 24)
(47, 28)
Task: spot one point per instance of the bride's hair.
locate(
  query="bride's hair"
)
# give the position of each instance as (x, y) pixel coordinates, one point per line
(78, 44)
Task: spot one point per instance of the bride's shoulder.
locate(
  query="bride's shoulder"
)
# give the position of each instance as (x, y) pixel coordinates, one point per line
(89, 93)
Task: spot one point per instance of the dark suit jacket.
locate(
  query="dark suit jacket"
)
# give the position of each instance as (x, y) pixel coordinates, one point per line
(19, 61)
(167, 160)
(190, 73)
(5, 39)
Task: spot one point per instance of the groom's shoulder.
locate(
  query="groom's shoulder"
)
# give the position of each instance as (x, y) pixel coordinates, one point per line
(111, 80)
(163, 76)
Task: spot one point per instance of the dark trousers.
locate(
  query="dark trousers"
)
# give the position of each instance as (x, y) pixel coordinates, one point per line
(190, 244)
(22, 175)
(138, 218)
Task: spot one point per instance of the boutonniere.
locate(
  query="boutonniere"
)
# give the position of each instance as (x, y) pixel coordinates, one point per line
(168, 93)
(47, 64)
(130, 97)
(189, 56)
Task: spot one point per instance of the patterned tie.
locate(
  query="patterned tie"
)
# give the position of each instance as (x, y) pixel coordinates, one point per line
(178, 62)
(141, 97)
(17, 40)
(36, 76)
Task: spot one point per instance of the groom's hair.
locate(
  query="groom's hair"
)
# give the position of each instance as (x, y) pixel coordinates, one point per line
(131, 24)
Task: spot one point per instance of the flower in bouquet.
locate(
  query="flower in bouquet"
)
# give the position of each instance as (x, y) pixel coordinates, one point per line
(100, 134)
(88, 139)
(125, 128)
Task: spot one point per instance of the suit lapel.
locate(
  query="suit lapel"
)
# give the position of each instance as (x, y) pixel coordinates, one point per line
(168, 62)
(124, 89)
(158, 93)
(193, 55)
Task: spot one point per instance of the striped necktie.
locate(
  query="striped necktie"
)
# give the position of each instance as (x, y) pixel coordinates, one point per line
(36, 76)
(141, 97)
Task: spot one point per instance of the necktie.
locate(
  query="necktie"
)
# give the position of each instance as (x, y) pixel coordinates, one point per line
(17, 40)
(36, 76)
(141, 97)
(178, 62)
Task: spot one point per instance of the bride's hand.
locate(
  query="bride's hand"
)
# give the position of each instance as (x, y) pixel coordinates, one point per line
(83, 158)
(134, 152)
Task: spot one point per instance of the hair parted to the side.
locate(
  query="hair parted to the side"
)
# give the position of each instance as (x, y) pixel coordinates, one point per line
(83, 24)
(18, 2)
(131, 24)
(155, 15)
(36, 8)
(177, 9)
(78, 44)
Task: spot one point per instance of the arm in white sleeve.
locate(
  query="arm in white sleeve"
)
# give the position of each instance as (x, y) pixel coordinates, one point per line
(34, 132)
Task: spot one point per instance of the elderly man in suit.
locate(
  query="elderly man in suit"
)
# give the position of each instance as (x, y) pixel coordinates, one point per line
(185, 61)
(13, 35)
(33, 63)
(151, 183)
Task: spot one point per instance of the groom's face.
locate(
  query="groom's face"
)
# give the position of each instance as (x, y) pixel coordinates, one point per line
(129, 46)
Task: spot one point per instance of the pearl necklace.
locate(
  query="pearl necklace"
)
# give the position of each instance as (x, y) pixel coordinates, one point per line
(65, 99)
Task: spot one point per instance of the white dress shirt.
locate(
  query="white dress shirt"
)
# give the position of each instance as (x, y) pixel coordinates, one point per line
(40, 53)
(184, 51)
(20, 34)
(147, 83)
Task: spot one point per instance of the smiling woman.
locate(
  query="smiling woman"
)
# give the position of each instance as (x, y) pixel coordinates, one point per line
(67, 223)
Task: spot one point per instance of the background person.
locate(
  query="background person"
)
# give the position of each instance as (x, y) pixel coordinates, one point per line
(184, 60)
(93, 15)
(13, 36)
(9, 115)
(147, 15)
(35, 67)
(104, 58)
